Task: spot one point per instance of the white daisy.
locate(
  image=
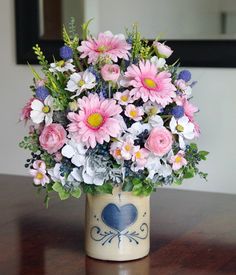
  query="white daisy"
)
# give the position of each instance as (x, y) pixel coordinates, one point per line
(81, 81)
(62, 66)
(75, 151)
(183, 128)
(42, 110)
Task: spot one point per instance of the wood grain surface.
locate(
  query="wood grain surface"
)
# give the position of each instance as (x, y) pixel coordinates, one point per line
(191, 233)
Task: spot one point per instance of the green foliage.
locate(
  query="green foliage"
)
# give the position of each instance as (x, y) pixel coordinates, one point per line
(41, 58)
(30, 142)
(64, 193)
(85, 29)
(139, 187)
(93, 189)
(193, 156)
(48, 159)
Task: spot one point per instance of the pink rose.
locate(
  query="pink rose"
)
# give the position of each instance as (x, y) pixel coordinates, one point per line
(110, 72)
(163, 50)
(52, 138)
(159, 141)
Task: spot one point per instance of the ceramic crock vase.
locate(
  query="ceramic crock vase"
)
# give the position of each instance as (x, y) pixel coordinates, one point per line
(117, 226)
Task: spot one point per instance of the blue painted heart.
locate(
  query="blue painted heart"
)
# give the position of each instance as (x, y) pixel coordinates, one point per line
(119, 218)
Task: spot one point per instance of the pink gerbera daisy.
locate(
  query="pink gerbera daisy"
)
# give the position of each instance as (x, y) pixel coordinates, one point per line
(149, 84)
(96, 122)
(106, 45)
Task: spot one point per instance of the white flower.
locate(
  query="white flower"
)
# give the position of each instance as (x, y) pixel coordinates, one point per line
(123, 98)
(183, 87)
(153, 165)
(42, 110)
(165, 170)
(93, 175)
(152, 108)
(156, 121)
(74, 178)
(137, 128)
(159, 62)
(62, 66)
(127, 148)
(183, 128)
(81, 81)
(75, 151)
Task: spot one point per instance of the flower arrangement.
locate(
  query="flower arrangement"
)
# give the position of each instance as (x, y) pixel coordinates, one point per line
(110, 112)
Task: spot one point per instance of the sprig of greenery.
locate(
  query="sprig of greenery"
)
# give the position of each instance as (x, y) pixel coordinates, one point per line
(30, 142)
(41, 58)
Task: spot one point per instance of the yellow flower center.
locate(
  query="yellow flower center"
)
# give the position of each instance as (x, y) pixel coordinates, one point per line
(153, 111)
(61, 63)
(150, 83)
(39, 176)
(138, 155)
(102, 49)
(179, 128)
(133, 113)
(46, 109)
(178, 159)
(95, 120)
(124, 98)
(127, 147)
(81, 83)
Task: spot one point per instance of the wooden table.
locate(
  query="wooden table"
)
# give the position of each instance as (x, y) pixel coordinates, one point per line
(191, 233)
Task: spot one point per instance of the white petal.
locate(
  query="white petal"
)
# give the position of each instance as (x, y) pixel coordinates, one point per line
(37, 105)
(76, 174)
(78, 160)
(36, 116)
(68, 151)
(98, 181)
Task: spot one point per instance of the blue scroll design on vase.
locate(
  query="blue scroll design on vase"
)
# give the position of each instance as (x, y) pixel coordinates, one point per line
(119, 218)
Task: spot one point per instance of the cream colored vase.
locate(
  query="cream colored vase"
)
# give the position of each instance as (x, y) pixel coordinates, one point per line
(117, 226)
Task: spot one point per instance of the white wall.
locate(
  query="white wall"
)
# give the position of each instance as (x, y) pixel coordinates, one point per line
(215, 94)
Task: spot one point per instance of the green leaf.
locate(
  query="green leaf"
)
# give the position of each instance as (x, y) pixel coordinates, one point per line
(57, 187)
(127, 186)
(178, 181)
(76, 193)
(203, 154)
(193, 146)
(136, 181)
(85, 28)
(189, 173)
(64, 195)
(105, 188)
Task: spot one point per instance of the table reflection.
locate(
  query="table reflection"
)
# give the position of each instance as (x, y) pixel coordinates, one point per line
(50, 245)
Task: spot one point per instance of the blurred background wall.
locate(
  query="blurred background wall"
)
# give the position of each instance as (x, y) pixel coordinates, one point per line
(215, 94)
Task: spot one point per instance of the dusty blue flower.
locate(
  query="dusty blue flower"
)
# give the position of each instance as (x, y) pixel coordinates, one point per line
(185, 75)
(41, 93)
(66, 52)
(177, 111)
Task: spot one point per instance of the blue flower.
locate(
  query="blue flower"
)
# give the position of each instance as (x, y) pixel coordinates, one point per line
(92, 70)
(66, 52)
(41, 93)
(177, 111)
(185, 75)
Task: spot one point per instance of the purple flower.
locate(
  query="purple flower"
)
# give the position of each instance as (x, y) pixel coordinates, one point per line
(185, 75)
(41, 93)
(66, 52)
(177, 111)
